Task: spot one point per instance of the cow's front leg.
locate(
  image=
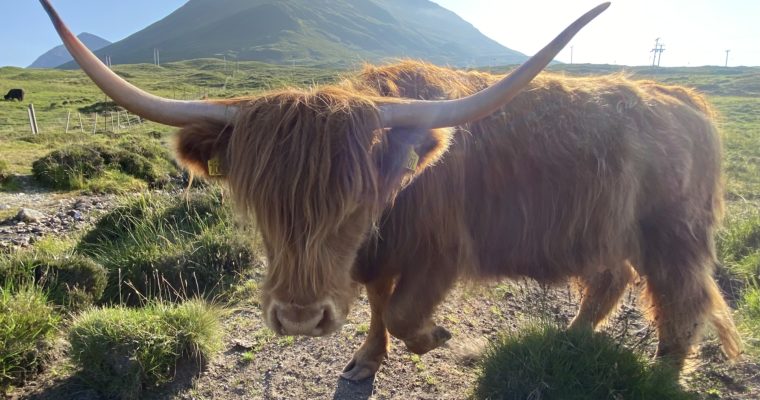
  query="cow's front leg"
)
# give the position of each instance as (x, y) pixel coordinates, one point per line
(410, 309)
(368, 358)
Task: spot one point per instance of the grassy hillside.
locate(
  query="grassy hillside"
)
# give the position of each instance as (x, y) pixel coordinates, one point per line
(338, 32)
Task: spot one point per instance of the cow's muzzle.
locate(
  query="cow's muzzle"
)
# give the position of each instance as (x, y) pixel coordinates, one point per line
(319, 319)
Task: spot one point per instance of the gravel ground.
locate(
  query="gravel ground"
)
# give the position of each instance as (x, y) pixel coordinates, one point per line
(36, 215)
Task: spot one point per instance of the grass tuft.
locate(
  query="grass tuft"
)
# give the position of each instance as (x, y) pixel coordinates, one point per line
(165, 247)
(545, 362)
(26, 325)
(73, 281)
(85, 166)
(68, 168)
(121, 351)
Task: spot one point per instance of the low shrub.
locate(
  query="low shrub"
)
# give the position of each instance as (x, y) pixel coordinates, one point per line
(100, 107)
(545, 362)
(26, 325)
(69, 168)
(121, 351)
(11, 183)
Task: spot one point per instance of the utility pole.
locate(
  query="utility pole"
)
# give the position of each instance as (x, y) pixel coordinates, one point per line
(571, 54)
(727, 51)
(657, 51)
(659, 57)
(157, 57)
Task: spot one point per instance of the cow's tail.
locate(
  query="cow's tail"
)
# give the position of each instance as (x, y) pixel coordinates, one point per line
(721, 319)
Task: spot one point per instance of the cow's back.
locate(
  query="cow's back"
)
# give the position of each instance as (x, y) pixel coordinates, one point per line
(558, 181)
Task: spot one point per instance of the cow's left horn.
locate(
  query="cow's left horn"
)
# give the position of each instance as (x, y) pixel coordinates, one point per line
(445, 113)
(154, 108)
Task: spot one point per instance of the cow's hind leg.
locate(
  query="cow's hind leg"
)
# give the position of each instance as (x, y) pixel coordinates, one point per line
(601, 292)
(371, 354)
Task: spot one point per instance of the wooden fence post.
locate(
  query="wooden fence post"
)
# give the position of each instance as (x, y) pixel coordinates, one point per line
(81, 125)
(68, 119)
(95, 124)
(33, 120)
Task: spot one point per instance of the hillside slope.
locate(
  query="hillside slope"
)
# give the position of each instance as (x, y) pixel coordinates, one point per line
(337, 32)
(59, 55)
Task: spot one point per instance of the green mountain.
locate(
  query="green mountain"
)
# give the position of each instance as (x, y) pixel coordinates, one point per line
(59, 55)
(312, 31)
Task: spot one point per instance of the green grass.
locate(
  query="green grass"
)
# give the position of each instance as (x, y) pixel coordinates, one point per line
(121, 351)
(749, 322)
(27, 323)
(739, 245)
(542, 361)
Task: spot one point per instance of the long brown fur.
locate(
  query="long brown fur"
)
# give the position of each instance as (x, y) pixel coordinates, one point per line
(575, 177)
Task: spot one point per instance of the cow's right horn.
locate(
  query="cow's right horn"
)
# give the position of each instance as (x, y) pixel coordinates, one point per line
(446, 113)
(158, 109)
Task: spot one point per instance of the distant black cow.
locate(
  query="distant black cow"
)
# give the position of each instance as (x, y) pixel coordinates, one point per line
(15, 94)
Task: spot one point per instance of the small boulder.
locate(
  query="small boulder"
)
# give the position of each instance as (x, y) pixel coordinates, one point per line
(28, 215)
(75, 214)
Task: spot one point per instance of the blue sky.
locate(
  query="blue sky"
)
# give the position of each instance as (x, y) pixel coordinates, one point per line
(695, 32)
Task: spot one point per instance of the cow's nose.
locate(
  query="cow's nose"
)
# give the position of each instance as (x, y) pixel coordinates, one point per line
(303, 320)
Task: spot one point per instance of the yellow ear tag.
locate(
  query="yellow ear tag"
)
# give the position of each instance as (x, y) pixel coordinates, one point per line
(413, 159)
(215, 167)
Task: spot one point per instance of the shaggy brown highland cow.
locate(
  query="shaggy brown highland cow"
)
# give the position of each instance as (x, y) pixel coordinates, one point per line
(380, 181)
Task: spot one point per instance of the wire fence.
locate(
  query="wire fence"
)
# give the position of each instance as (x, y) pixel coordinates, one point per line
(37, 122)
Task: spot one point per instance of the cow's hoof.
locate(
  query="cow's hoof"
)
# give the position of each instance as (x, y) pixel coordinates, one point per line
(425, 342)
(358, 369)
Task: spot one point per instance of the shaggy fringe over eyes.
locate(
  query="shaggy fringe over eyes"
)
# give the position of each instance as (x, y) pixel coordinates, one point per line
(301, 163)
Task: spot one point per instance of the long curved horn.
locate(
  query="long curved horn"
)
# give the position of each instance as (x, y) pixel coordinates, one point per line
(158, 109)
(445, 113)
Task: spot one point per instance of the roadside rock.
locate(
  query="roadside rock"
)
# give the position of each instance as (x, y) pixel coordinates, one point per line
(29, 215)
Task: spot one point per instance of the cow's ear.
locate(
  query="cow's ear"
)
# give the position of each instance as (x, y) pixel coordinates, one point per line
(202, 149)
(408, 152)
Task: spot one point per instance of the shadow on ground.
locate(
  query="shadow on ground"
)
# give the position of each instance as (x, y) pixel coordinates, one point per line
(349, 390)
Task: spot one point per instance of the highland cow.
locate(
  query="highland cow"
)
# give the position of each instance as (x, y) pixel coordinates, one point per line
(14, 94)
(409, 177)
